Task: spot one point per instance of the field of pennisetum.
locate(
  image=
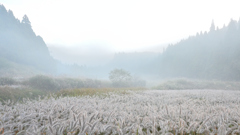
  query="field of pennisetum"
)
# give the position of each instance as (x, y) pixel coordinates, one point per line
(213, 112)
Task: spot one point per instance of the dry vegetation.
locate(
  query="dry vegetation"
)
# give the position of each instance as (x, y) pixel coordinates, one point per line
(17, 93)
(95, 91)
(139, 112)
(17, 89)
(183, 84)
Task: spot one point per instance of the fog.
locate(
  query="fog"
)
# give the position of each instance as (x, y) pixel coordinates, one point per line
(91, 41)
(93, 54)
(87, 55)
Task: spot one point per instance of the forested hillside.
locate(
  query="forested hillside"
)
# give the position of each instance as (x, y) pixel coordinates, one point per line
(19, 44)
(209, 55)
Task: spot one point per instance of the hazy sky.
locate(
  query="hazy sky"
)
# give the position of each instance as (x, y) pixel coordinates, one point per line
(122, 25)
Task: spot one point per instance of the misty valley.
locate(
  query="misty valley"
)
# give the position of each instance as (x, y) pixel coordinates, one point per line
(191, 87)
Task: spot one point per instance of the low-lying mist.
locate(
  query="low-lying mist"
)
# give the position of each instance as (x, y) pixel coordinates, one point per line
(83, 55)
(95, 54)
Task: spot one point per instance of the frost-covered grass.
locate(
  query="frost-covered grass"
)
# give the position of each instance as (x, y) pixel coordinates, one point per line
(139, 112)
(186, 84)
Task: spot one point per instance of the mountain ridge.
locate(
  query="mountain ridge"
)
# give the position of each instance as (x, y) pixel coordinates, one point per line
(19, 43)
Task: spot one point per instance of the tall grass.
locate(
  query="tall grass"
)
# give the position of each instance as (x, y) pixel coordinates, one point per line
(187, 112)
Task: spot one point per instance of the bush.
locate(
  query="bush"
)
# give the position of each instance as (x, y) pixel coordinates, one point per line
(7, 81)
(43, 83)
(70, 83)
(19, 93)
(47, 83)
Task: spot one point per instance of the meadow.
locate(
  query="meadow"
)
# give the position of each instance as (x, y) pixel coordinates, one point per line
(144, 112)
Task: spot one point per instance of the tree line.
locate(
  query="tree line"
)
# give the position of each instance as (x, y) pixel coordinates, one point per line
(209, 55)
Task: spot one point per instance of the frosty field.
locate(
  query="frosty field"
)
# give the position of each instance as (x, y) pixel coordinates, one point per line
(145, 112)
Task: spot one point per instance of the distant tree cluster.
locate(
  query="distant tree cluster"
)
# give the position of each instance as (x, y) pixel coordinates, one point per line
(122, 78)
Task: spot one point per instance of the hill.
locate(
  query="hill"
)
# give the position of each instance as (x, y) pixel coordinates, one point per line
(209, 55)
(20, 45)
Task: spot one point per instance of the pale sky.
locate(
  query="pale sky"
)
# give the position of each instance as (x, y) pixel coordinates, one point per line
(122, 25)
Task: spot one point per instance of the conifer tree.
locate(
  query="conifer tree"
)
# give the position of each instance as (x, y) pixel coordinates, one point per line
(212, 28)
(25, 20)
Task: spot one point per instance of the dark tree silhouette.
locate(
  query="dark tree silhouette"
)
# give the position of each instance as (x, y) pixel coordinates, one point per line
(212, 28)
(25, 20)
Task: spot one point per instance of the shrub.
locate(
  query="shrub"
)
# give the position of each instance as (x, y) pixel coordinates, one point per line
(7, 81)
(19, 93)
(47, 83)
(42, 82)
